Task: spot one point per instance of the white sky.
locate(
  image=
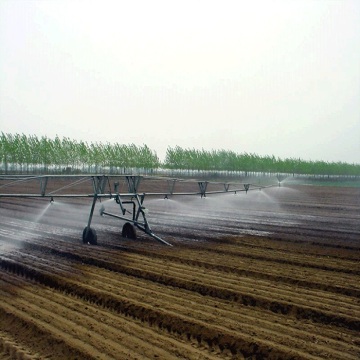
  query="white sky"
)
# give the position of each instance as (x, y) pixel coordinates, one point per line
(268, 77)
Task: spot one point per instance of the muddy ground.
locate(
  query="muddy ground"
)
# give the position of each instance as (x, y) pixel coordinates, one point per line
(272, 274)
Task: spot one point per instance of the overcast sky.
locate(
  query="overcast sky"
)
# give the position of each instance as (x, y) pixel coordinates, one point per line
(267, 77)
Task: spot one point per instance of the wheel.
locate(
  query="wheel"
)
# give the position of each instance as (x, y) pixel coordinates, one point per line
(128, 231)
(89, 236)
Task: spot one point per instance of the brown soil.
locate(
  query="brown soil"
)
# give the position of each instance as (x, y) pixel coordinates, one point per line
(268, 275)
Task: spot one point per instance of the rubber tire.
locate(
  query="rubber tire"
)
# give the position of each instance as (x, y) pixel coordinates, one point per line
(91, 237)
(128, 231)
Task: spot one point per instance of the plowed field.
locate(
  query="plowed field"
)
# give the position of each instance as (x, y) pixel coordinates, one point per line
(265, 275)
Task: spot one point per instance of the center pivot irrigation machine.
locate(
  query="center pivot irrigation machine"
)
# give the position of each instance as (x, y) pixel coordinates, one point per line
(124, 189)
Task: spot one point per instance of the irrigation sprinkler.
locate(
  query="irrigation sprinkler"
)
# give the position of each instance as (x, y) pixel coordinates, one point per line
(131, 203)
(280, 178)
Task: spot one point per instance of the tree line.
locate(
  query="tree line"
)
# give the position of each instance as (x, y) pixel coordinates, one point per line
(29, 154)
(223, 160)
(32, 154)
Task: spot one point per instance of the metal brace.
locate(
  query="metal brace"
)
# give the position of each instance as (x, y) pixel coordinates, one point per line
(99, 183)
(202, 187)
(133, 183)
(43, 184)
(226, 187)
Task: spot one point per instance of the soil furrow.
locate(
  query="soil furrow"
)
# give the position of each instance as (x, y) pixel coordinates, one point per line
(192, 329)
(242, 295)
(208, 310)
(216, 264)
(221, 293)
(37, 337)
(122, 333)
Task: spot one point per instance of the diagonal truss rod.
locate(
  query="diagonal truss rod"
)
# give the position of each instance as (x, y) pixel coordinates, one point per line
(138, 215)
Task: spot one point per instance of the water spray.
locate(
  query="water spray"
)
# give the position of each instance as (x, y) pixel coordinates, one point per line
(102, 210)
(135, 213)
(280, 178)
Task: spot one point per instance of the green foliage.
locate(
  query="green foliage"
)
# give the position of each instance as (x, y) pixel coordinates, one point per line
(222, 160)
(31, 154)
